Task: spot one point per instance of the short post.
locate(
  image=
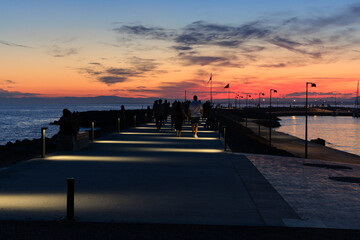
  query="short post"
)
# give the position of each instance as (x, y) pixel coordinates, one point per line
(92, 131)
(225, 139)
(70, 199)
(119, 119)
(134, 120)
(219, 129)
(145, 117)
(43, 141)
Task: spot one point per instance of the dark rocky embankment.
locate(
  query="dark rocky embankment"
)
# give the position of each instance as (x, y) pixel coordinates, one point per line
(105, 122)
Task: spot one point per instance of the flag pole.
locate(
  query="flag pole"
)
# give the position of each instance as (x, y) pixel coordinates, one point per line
(211, 90)
(229, 96)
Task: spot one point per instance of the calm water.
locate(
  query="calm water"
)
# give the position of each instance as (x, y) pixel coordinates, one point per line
(18, 122)
(342, 133)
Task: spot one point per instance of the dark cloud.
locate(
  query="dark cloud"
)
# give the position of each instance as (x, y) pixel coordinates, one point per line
(171, 90)
(122, 72)
(14, 94)
(143, 65)
(278, 65)
(147, 32)
(182, 48)
(193, 58)
(202, 33)
(109, 80)
(138, 68)
(345, 17)
(57, 51)
(10, 44)
(293, 46)
(202, 60)
(318, 38)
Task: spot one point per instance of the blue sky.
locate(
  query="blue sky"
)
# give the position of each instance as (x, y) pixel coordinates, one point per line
(101, 44)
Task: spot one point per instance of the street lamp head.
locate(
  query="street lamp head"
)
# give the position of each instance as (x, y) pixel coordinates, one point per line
(275, 91)
(313, 84)
(263, 94)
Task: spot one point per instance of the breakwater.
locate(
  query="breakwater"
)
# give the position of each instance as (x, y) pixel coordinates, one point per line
(105, 121)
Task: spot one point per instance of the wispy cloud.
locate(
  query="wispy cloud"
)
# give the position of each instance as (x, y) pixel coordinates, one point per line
(112, 75)
(10, 44)
(57, 51)
(314, 39)
(344, 17)
(172, 90)
(7, 81)
(146, 32)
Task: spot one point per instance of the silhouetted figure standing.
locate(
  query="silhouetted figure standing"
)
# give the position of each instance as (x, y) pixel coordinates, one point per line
(179, 117)
(123, 117)
(172, 113)
(195, 112)
(166, 110)
(159, 113)
(69, 125)
(149, 114)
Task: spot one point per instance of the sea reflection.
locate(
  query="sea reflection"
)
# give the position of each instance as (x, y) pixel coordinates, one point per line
(341, 132)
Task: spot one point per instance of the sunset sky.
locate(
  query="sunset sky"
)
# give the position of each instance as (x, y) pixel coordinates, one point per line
(162, 48)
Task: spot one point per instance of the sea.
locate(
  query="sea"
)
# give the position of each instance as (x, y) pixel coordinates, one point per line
(24, 121)
(339, 132)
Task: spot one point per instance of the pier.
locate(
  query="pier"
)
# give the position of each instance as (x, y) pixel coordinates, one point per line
(140, 176)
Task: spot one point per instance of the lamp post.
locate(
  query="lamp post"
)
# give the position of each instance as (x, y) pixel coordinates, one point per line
(246, 115)
(274, 91)
(236, 101)
(43, 138)
(306, 116)
(260, 94)
(240, 97)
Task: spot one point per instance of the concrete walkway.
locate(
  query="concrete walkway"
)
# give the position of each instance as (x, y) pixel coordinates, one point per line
(141, 176)
(306, 185)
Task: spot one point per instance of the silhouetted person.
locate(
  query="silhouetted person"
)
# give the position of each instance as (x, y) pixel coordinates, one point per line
(179, 117)
(123, 117)
(159, 113)
(69, 124)
(166, 110)
(172, 113)
(149, 114)
(195, 112)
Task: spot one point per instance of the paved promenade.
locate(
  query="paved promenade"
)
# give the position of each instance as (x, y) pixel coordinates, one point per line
(319, 201)
(140, 176)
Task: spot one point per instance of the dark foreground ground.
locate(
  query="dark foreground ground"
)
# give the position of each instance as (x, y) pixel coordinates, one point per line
(105, 231)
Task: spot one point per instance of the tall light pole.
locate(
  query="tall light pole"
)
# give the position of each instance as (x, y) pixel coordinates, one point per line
(236, 101)
(246, 110)
(240, 97)
(247, 97)
(306, 116)
(260, 94)
(274, 91)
